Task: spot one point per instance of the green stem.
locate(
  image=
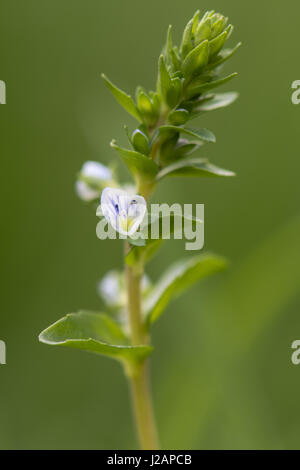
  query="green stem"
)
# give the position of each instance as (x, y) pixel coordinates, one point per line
(139, 381)
(143, 409)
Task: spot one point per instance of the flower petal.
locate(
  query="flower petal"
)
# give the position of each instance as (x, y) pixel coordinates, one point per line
(84, 192)
(96, 171)
(123, 211)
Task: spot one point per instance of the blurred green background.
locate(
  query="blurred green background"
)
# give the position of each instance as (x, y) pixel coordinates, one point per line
(222, 373)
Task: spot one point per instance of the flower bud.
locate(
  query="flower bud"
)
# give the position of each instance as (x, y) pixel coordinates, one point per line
(148, 106)
(178, 116)
(112, 288)
(140, 142)
(92, 177)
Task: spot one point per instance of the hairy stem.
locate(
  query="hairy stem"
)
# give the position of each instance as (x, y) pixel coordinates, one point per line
(139, 381)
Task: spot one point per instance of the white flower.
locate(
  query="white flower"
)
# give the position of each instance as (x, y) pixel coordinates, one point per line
(84, 191)
(123, 211)
(95, 171)
(93, 176)
(112, 288)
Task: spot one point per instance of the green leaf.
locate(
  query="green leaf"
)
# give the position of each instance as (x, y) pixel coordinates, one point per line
(185, 148)
(136, 241)
(204, 30)
(203, 135)
(140, 142)
(138, 164)
(169, 88)
(229, 30)
(179, 278)
(143, 102)
(224, 55)
(196, 89)
(93, 332)
(139, 254)
(178, 116)
(195, 60)
(193, 167)
(195, 22)
(186, 43)
(175, 59)
(174, 221)
(123, 99)
(218, 26)
(216, 44)
(164, 79)
(175, 92)
(219, 100)
(169, 50)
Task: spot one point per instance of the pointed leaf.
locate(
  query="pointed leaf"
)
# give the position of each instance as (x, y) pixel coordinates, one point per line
(195, 60)
(169, 50)
(137, 163)
(164, 79)
(193, 167)
(196, 89)
(204, 30)
(186, 43)
(93, 332)
(219, 100)
(203, 135)
(175, 59)
(216, 44)
(123, 99)
(144, 103)
(179, 278)
(218, 26)
(186, 147)
(224, 55)
(140, 142)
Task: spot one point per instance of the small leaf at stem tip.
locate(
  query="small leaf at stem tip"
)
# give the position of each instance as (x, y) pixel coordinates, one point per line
(123, 99)
(186, 43)
(164, 79)
(196, 59)
(198, 167)
(215, 45)
(93, 332)
(218, 26)
(203, 31)
(169, 49)
(178, 279)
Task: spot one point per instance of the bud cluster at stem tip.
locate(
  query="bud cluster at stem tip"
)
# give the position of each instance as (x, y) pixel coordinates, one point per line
(188, 75)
